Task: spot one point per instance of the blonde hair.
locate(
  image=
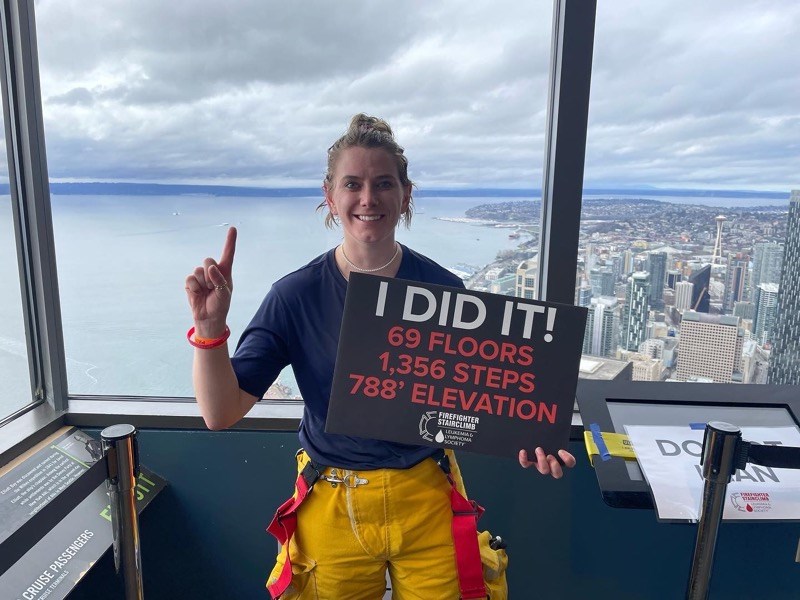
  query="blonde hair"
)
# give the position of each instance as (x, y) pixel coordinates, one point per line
(367, 132)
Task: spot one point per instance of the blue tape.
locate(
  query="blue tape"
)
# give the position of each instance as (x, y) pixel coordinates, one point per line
(597, 436)
(697, 425)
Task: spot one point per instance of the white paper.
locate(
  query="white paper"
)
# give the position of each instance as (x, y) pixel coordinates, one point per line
(669, 457)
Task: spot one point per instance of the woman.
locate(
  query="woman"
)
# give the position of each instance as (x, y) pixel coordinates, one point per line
(395, 511)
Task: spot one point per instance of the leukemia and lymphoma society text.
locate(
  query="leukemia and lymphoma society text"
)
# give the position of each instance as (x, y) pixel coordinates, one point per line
(445, 366)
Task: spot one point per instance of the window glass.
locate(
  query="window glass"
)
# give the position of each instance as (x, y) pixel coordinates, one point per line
(14, 367)
(168, 122)
(689, 240)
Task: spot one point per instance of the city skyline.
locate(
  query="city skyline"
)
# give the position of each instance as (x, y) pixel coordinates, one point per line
(722, 274)
(737, 260)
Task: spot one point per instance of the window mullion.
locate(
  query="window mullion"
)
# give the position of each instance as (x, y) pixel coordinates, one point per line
(565, 147)
(30, 196)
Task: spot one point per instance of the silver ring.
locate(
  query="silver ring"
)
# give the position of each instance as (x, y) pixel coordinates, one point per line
(223, 286)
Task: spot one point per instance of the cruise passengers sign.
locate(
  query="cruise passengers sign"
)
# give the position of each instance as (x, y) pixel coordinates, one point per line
(52, 567)
(443, 366)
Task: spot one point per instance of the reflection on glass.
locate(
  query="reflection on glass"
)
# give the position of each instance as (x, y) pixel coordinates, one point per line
(14, 369)
(685, 241)
(234, 106)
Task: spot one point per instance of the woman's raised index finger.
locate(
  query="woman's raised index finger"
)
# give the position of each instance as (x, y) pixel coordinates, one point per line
(228, 249)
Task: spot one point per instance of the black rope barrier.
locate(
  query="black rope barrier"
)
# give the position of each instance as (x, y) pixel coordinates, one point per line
(779, 457)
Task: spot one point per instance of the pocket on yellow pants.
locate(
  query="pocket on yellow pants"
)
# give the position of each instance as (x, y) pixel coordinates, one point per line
(303, 585)
(494, 563)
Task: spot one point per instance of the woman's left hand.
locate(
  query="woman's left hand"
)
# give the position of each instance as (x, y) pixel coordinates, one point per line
(547, 464)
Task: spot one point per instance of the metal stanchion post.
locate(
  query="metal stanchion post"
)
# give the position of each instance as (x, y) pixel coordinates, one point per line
(720, 448)
(120, 447)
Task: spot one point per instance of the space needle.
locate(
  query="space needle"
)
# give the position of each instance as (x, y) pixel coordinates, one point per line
(717, 253)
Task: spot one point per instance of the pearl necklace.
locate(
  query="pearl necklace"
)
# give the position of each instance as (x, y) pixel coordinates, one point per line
(352, 266)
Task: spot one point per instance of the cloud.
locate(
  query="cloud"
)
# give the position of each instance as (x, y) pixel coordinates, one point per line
(253, 91)
(695, 95)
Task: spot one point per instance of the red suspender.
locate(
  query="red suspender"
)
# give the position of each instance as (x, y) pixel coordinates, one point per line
(283, 526)
(465, 540)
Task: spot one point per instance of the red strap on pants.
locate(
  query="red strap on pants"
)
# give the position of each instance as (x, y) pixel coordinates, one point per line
(465, 540)
(283, 526)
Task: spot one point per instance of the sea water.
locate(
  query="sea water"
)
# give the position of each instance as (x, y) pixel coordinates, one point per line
(122, 261)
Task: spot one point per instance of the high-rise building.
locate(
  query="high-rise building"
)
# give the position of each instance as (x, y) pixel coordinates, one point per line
(602, 327)
(683, 295)
(627, 263)
(584, 293)
(527, 272)
(654, 348)
(735, 280)
(669, 298)
(670, 354)
(645, 368)
(591, 257)
(616, 266)
(701, 298)
(657, 266)
(767, 265)
(766, 312)
(656, 328)
(710, 346)
(784, 364)
(637, 306)
(602, 281)
(744, 310)
(673, 277)
(749, 361)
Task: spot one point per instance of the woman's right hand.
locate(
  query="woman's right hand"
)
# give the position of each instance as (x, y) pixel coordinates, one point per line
(209, 290)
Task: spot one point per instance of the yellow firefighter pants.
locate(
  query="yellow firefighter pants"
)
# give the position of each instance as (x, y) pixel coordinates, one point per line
(347, 537)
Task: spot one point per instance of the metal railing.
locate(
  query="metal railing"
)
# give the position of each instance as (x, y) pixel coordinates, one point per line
(724, 452)
(121, 452)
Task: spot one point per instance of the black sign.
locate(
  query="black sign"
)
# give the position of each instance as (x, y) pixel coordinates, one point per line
(55, 564)
(443, 366)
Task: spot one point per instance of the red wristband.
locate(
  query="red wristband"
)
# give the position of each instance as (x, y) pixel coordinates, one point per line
(205, 343)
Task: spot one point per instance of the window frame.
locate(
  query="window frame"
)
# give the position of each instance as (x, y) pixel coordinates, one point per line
(33, 230)
(52, 406)
(565, 147)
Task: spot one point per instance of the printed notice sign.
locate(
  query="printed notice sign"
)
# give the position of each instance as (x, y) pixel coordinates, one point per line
(55, 564)
(669, 457)
(443, 366)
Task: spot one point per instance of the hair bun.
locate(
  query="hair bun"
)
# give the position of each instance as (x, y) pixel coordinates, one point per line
(362, 123)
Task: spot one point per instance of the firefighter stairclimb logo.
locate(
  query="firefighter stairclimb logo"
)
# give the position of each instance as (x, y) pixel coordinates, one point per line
(751, 502)
(450, 428)
(423, 428)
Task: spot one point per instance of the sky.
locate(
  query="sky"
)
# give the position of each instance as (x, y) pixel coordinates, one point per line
(685, 94)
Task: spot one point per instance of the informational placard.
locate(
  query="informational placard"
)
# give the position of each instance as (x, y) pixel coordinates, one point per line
(54, 565)
(669, 457)
(444, 366)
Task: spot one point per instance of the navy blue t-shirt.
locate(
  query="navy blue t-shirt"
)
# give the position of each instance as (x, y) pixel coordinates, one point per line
(298, 324)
